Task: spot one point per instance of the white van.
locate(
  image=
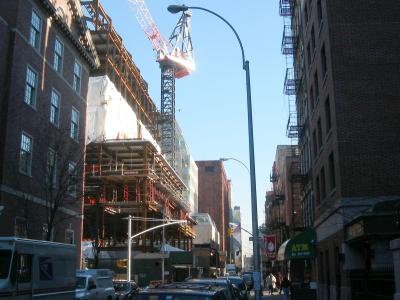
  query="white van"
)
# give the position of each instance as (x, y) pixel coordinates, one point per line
(32, 269)
(94, 284)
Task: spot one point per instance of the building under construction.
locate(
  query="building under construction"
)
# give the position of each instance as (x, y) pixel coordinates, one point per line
(125, 173)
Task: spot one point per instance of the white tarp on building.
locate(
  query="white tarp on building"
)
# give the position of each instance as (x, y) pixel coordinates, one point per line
(109, 116)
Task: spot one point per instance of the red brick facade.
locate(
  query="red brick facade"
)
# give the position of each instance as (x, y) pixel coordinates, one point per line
(214, 197)
(24, 195)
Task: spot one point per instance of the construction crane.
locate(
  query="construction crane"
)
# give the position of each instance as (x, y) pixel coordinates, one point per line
(176, 60)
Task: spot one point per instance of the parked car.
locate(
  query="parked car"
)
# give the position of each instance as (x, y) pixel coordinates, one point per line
(248, 277)
(240, 283)
(125, 290)
(221, 281)
(94, 284)
(196, 292)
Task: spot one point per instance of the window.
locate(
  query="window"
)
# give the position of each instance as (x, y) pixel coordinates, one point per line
(313, 39)
(55, 107)
(5, 260)
(58, 55)
(20, 227)
(328, 119)
(25, 155)
(209, 169)
(323, 183)
(23, 267)
(323, 61)
(321, 267)
(316, 85)
(77, 77)
(72, 179)
(319, 11)
(328, 273)
(332, 179)
(315, 148)
(319, 132)
(306, 12)
(51, 167)
(318, 190)
(30, 87)
(74, 134)
(312, 98)
(45, 230)
(36, 24)
(69, 236)
(45, 268)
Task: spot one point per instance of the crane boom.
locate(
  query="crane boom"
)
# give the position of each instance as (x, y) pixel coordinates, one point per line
(178, 50)
(176, 61)
(149, 26)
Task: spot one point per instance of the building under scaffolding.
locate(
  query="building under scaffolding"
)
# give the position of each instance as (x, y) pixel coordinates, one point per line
(130, 177)
(125, 173)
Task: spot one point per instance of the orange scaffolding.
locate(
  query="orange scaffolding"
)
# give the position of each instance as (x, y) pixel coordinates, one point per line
(129, 177)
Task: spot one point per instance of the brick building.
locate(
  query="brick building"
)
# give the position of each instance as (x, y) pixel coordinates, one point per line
(344, 75)
(283, 212)
(215, 197)
(45, 60)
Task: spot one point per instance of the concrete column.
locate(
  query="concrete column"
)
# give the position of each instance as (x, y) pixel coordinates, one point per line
(395, 247)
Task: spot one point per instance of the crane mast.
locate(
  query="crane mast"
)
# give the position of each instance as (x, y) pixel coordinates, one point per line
(176, 60)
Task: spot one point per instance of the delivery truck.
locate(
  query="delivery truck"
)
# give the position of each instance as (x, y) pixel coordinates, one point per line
(33, 269)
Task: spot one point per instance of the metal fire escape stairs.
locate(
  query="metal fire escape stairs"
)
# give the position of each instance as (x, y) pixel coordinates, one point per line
(176, 60)
(288, 48)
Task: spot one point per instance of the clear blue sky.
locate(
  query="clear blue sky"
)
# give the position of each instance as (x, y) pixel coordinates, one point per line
(211, 103)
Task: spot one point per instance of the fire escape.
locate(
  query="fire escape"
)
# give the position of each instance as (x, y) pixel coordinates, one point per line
(294, 88)
(289, 48)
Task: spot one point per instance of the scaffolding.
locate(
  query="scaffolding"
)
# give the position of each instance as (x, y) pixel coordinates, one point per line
(117, 63)
(130, 177)
(127, 176)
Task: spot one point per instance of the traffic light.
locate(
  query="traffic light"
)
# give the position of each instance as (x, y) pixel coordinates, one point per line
(230, 231)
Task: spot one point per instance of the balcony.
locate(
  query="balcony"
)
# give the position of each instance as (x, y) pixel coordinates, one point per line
(285, 8)
(292, 129)
(291, 83)
(289, 39)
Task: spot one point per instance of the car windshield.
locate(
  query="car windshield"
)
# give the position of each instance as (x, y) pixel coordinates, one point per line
(80, 282)
(169, 296)
(5, 258)
(122, 286)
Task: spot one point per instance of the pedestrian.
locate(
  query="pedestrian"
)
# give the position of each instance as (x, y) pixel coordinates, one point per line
(270, 283)
(279, 279)
(285, 287)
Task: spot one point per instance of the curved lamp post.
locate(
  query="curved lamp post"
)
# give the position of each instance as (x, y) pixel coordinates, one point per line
(130, 237)
(256, 249)
(237, 160)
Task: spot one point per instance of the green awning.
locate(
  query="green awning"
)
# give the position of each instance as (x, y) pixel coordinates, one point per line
(302, 246)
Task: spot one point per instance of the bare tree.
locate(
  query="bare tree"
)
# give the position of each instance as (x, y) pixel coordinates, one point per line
(56, 181)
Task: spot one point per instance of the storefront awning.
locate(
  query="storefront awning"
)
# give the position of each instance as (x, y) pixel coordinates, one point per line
(302, 246)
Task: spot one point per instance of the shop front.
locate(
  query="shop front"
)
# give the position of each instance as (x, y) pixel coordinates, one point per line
(297, 256)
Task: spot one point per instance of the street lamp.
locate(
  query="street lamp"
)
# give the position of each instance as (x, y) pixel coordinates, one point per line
(131, 237)
(245, 64)
(235, 159)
